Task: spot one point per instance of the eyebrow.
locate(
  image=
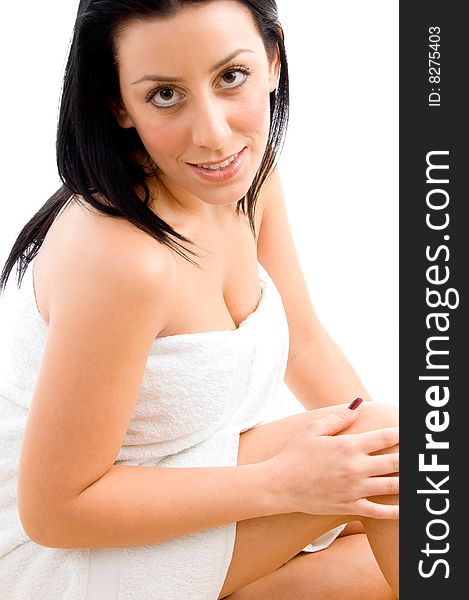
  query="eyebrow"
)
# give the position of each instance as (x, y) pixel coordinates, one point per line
(218, 65)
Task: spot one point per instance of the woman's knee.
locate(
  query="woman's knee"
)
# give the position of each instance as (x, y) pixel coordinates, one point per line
(263, 442)
(376, 415)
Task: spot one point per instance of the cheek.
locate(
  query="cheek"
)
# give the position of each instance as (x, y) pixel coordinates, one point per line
(255, 112)
(162, 139)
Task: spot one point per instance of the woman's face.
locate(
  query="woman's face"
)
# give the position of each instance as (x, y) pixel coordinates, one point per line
(196, 88)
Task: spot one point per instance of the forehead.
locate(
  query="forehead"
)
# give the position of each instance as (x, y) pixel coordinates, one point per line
(197, 32)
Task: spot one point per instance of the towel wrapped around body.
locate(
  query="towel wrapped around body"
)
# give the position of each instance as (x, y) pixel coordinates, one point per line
(198, 392)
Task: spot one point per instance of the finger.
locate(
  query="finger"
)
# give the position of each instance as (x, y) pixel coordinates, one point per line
(381, 486)
(334, 422)
(377, 439)
(382, 464)
(366, 508)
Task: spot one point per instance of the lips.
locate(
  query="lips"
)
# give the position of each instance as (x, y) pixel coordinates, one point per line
(220, 171)
(219, 164)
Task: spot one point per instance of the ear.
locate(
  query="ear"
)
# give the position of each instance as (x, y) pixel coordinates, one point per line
(274, 70)
(121, 114)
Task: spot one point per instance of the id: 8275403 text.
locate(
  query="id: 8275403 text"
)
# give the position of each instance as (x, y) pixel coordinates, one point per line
(434, 66)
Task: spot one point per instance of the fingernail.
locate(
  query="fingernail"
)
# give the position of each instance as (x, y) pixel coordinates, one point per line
(355, 404)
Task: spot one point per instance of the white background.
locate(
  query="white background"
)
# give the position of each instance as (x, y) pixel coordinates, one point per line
(339, 165)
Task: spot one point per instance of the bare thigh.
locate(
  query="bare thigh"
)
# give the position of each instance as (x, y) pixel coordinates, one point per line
(347, 570)
(264, 544)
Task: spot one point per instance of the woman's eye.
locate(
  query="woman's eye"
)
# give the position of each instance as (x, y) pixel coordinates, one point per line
(164, 97)
(234, 77)
(167, 97)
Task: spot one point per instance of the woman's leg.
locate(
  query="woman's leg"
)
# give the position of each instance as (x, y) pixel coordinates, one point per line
(346, 570)
(382, 535)
(264, 544)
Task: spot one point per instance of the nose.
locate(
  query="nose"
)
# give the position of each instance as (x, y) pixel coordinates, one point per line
(209, 124)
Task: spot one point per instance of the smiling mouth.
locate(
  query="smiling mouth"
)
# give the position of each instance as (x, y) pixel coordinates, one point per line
(216, 166)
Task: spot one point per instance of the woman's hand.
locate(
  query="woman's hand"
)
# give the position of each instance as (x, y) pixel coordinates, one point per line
(318, 472)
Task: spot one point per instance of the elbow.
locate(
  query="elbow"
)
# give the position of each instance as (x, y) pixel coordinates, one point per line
(47, 536)
(39, 529)
(45, 519)
(44, 525)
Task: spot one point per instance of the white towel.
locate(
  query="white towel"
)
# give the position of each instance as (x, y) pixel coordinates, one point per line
(198, 392)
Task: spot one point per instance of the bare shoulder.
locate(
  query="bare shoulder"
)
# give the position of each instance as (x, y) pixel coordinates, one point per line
(92, 259)
(107, 288)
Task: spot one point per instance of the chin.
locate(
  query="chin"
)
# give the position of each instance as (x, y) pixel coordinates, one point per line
(225, 195)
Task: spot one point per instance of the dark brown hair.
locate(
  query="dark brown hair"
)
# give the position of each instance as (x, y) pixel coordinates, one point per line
(94, 154)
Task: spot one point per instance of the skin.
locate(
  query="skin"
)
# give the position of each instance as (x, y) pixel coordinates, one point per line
(210, 114)
(264, 547)
(87, 294)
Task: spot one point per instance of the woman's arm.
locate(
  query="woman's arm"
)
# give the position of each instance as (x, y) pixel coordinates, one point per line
(320, 374)
(137, 506)
(317, 373)
(107, 298)
(108, 295)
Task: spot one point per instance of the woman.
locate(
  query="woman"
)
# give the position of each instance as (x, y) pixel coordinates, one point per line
(164, 308)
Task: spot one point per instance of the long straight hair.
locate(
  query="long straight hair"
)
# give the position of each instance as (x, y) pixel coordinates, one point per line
(95, 156)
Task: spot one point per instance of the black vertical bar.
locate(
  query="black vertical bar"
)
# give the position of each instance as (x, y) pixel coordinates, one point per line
(434, 270)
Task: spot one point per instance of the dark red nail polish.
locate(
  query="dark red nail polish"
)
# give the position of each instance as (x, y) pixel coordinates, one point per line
(355, 404)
